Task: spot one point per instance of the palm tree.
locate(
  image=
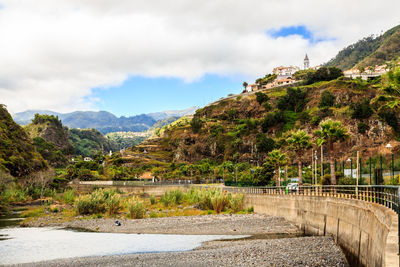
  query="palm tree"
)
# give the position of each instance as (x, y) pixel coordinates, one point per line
(299, 142)
(330, 133)
(277, 159)
(245, 84)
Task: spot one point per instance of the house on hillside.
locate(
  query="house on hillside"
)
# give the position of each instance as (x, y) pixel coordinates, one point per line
(252, 87)
(147, 176)
(285, 72)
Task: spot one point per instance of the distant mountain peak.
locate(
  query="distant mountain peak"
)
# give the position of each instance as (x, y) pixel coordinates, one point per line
(104, 121)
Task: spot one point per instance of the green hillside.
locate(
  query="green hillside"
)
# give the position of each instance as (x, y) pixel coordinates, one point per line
(231, 138)
(18, 155)
(369, 51)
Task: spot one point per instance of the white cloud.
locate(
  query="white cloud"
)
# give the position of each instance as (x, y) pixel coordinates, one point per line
(53, 52)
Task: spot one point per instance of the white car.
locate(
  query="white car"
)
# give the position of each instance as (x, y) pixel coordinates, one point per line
(292, 186)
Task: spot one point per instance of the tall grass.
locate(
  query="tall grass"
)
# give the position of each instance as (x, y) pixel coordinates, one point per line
(207, 199)
(172, 197)
(113, 204)
(136, 209)
(69, 197)
(99, 201)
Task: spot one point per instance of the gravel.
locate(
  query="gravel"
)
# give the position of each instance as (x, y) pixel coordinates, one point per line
(223, 224)
(258, 250)
(302, 251)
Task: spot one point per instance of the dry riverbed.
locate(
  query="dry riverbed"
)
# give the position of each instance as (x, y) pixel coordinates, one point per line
(275, 242)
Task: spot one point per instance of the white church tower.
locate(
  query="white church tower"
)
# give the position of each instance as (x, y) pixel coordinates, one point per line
(306, 63)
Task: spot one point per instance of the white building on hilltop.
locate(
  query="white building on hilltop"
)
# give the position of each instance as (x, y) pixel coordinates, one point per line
(285, 72)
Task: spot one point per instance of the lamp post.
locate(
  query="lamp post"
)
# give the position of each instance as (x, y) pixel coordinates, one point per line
(389, 146)
(351, 166)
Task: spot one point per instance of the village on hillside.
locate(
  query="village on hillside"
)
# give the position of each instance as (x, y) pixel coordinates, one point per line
(284, 75)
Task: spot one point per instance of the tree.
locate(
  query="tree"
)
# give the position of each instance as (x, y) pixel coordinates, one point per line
(277, 159)
(261, 98)
(331, 132)
(299, 142)
(245, 84)
(327, 99)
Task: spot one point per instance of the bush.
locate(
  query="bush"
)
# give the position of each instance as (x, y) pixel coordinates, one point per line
(264, 143)
(323, 74)
(327, 99)
(236, 203)
(196, 124)
(361, 110)
(152, 200)
(69, 196)
(261, 98)
(113, 204)
(316, 120)
(295, 100)
(390, 118)
(99, 201)
(136, 209)
(362, 128)
(172, 197)
(326, 179)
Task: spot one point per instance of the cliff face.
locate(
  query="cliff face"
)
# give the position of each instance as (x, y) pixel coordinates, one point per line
(246, 128)
(18, 155)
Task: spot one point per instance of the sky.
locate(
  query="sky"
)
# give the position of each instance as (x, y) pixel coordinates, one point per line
(131, 57)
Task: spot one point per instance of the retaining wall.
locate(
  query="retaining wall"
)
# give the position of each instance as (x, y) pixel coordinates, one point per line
(367, 232)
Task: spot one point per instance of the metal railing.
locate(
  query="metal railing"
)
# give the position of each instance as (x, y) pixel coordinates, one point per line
(387, 196)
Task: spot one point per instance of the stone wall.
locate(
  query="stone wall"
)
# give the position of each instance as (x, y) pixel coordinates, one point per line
(366, 232)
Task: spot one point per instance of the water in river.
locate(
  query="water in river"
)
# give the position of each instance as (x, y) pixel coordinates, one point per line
(21, 245)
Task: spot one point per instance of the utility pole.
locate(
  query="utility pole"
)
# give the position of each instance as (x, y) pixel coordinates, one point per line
(358, 171)
(312, 166)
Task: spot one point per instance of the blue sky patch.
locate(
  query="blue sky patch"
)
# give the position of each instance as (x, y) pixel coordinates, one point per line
(301, 30)
(140, 94)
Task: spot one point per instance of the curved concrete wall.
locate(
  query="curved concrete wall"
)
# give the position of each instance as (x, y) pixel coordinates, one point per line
(367, 232)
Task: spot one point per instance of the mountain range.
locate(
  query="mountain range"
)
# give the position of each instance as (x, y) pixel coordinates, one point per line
(104, 121)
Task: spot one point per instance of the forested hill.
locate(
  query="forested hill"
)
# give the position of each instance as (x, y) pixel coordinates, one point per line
(369, 51)
(56, 143)
(18, 155)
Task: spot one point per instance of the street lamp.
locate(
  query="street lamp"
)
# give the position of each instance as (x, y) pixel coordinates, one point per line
(351, 166)
(389, 146)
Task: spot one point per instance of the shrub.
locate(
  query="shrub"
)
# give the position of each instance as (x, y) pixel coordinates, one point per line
(196, 124)
(327, 99)
(250, 210)
(152, 200)
(172, 197)
(264, 143)
(362, 128)
(326, 179)
(361, 110)
(295, 100)
(236, 203)
(69, 196)
(97, 201)
(113, 204)
(390, 118)
(316, 120)
(136, 209)
(261, 98)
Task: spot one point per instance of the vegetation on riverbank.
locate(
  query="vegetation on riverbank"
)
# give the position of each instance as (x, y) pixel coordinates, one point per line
(110, 203)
